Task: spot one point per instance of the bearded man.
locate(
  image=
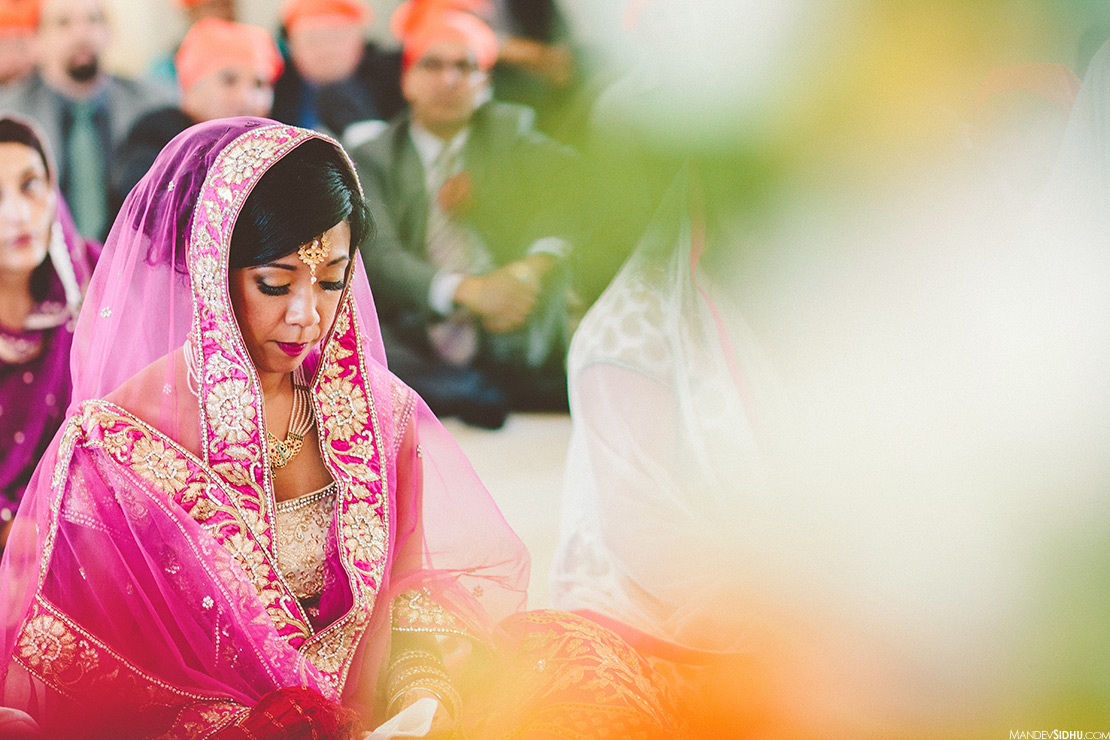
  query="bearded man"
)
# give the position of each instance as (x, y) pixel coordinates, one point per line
(83, 110)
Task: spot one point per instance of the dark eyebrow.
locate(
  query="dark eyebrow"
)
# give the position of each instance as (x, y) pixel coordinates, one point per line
(293, 268)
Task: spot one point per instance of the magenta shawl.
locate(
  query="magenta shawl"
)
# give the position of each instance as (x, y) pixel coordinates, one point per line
(140, 583)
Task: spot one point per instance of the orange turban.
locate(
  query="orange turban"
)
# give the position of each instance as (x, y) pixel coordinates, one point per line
(18, 16)
(421, 31)
(325, 12)
(213, 44)
(412, 13)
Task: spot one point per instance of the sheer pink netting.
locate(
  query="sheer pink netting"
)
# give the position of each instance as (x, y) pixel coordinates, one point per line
(121, 609)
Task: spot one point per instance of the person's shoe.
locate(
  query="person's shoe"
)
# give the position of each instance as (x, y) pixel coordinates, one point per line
(486, 413)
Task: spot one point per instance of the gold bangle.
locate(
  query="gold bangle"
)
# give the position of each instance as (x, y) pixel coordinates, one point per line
(414, 653)
(407, 677)
(442, 689)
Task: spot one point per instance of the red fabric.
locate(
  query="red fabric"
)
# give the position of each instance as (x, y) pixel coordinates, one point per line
(411, 13)
(18, 16)
(290, 714)
(213, 44)
(297, 12)
(438, 23)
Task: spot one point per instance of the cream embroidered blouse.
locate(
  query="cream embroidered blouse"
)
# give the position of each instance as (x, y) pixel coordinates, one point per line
(303, 529)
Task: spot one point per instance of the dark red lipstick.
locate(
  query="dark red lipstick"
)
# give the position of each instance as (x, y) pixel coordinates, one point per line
(292, 349)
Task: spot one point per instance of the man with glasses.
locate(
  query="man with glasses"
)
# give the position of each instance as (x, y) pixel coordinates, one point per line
(468, 263)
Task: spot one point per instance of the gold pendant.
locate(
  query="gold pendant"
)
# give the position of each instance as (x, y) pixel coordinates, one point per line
(282, 452)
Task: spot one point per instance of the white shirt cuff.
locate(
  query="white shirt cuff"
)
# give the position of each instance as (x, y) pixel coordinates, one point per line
(441, 295)
(552, 245)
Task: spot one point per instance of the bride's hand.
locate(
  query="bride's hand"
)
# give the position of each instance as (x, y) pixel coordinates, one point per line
(443, 724)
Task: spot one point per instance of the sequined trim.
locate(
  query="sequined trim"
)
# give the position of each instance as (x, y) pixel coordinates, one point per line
(179, 476)
(302, 537)
(52, 647)
(292, 504)
(417, 611)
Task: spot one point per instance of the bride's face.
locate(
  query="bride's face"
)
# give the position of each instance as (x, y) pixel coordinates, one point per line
(281, 312)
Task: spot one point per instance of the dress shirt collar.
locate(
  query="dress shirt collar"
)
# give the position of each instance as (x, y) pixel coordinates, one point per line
(430, 147)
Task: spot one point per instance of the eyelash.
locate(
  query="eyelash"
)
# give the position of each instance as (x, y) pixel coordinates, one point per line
(267, 289)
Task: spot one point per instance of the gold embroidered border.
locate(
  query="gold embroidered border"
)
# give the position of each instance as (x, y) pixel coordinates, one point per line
(56, 650)
(192, 487)
(416, 610)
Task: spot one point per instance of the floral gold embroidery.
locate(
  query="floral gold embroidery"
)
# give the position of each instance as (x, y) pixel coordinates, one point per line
(49, 647)
(244, 156)
(61, 654)
(159, 465)
(344, 407)
(230, 406)
(248, 556)
(367, 536)
(416, 611)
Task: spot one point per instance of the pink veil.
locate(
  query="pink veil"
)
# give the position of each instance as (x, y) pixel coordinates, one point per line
(139, 584)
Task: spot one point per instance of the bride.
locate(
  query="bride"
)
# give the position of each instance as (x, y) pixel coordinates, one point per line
(248, 527)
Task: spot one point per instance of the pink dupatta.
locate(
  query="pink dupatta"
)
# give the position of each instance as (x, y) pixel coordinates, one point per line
(140, 584)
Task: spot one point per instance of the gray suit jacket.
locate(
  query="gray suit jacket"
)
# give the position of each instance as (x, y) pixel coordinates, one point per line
(124, 100)
(521, 184)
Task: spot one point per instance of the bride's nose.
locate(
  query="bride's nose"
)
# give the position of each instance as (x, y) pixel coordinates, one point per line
(302, 309)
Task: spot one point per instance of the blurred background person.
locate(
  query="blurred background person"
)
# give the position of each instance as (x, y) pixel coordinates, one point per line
(468, 263)
(225, 10)
(162, 68)
(225, 69)
(539, 64)
(675, 413)
(335, 77)
(45, 266)
(542, 65)
(931, 559)
(17, 40)
(84, 110)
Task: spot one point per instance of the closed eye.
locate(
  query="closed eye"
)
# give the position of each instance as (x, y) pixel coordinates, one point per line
(333, 285)
(267, 289)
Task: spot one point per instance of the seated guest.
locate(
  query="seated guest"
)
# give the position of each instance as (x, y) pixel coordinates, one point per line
(17, 40)
(467, 262)
(163, 67)
(335, 77)
(44, 267)
(225, 69)
(83, 111)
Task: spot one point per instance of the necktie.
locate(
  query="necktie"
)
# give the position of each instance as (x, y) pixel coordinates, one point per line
(86, 172)
(451, 247)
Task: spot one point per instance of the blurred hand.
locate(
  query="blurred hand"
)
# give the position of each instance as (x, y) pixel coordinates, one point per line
(500, 299)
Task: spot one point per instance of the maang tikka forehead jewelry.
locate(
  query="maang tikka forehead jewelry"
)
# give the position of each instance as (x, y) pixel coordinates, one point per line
(315, 252)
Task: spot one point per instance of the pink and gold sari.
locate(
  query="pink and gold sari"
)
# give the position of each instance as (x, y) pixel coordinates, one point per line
(142, 587)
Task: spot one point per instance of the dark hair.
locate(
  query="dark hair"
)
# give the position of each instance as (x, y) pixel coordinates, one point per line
(301, 196)
(13, 131)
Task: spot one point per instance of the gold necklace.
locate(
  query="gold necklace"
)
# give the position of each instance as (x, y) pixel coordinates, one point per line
(301, 420)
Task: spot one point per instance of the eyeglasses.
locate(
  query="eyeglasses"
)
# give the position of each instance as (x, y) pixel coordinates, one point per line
(434, 65)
